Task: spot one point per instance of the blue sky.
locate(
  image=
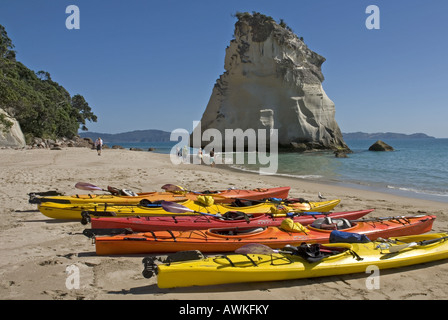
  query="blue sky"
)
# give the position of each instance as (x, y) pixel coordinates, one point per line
(144, 64)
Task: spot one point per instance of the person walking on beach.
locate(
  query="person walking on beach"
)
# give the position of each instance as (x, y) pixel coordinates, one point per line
(99, 145)
(185, 153)
(212, 157)
(200, 155)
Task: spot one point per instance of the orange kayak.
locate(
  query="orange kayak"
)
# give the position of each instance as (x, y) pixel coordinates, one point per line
(221, 196)
(230, 239)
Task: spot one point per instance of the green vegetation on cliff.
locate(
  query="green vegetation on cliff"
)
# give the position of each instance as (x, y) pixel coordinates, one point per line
(42, 107)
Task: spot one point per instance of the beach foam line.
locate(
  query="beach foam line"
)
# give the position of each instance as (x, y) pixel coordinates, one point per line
(426, 192)
(312, 177)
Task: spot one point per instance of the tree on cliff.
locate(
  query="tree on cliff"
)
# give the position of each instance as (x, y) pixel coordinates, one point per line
(82, 111)
(6, 45)
(42, 107)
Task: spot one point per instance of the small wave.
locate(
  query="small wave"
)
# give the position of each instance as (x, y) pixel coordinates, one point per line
(426, 192)
(310, 176)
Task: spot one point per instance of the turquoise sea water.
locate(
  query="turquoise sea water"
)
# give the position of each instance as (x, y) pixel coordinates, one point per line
(417, 168)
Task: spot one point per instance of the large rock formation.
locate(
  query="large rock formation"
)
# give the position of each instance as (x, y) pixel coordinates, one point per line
(11, 134)
(272, 81)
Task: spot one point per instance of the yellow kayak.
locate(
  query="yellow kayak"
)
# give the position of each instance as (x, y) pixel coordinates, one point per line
(335, 259)
(73, 212)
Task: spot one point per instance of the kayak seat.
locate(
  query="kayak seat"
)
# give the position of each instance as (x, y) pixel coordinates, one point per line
(313, 252)
(328, 223)
(236, 215)
(121, 192)
(208, 192)
(145, 202)
(236, 231)
(150, 204)
(295, 200)
(184, 256)
(242, 203)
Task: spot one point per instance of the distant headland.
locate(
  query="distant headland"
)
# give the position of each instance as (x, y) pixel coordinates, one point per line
(384, 136)
(152, 135)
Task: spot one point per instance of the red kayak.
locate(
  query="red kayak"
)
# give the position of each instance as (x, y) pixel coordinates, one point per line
(230, 239)
(231, 219)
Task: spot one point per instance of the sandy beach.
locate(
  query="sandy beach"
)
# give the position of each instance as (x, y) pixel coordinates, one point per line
(37, 250)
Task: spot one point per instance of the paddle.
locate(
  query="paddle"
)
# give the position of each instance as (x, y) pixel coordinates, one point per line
(88, 187)
(310, 252)
(178, 208)
(400, 247)
(386, 218)
(112, 190)
(174, 207)
(306, 213)
(173, 188)
(92, 233)
(49, 193)
(286, 201)
(255, 248)
(177, 189)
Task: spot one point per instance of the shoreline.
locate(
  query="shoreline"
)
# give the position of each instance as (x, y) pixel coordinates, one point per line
(351, 185)
(359, 186)
(37, 250)
(392, 185)
(344, 187)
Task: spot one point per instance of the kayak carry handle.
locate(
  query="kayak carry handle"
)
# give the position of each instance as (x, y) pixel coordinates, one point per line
(149, 267)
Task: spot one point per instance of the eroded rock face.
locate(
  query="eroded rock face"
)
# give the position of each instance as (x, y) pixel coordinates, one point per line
(11, 134)
(273, 81)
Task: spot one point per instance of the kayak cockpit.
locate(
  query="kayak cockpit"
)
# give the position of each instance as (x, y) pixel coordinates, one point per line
(236, 232)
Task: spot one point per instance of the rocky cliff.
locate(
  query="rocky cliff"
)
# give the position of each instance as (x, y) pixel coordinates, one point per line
(272, 80)
(11, 134)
